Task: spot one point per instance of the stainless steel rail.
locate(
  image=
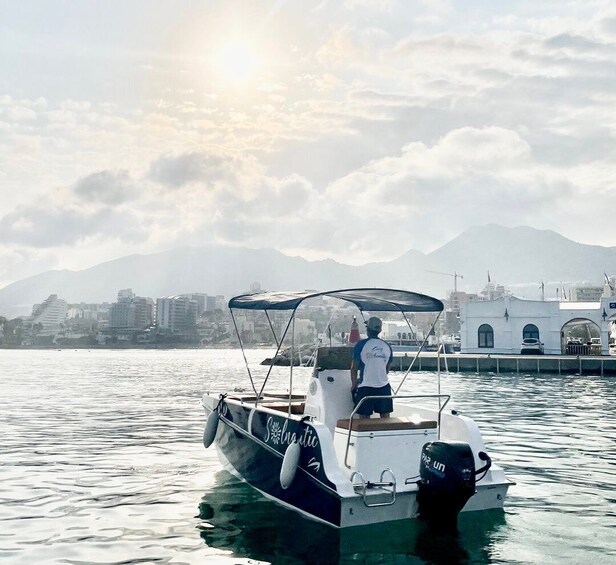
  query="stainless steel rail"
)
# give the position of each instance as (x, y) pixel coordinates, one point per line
(392, 396)
(382, 484)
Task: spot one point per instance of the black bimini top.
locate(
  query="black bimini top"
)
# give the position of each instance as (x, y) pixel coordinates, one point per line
(370, 299)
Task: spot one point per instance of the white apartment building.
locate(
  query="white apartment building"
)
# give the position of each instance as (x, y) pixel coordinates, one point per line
(176, 314)
(51, 313)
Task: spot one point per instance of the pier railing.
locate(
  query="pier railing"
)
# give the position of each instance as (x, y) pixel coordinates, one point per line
(602, 365)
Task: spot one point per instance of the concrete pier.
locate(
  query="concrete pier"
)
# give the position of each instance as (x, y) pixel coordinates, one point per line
(472, 363)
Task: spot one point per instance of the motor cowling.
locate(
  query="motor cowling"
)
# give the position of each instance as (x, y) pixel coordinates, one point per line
(447, 480)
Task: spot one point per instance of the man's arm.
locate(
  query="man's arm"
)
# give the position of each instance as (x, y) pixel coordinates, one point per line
(391, 358)
(354, 368)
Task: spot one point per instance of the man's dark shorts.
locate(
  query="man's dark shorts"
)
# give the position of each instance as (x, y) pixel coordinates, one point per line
(378, 405)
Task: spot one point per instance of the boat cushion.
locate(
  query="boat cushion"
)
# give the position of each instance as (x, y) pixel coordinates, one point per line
(381, 424)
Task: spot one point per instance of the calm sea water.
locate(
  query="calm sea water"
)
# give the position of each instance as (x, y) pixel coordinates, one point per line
(101, 462)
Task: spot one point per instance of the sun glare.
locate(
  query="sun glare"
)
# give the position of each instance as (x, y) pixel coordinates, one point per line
(236, 61)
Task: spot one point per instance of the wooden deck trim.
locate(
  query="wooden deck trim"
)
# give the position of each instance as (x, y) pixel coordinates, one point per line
(384, 424)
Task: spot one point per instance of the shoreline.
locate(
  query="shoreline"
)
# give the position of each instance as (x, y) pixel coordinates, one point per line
(128, 346)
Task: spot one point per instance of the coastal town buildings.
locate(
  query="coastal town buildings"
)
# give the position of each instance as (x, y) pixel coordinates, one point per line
(490, 321)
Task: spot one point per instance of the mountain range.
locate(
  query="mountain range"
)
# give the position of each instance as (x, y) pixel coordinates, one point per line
(520, 258)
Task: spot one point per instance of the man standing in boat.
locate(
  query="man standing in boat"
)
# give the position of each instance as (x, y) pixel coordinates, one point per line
(371, 361)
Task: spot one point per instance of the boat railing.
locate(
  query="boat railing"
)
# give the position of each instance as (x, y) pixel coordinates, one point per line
(447, 398)
(387, 486)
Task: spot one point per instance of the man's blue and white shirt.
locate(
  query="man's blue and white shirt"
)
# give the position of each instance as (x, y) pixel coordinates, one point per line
(372, 356)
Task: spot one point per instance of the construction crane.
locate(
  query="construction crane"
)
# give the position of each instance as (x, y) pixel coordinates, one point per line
(455, 276)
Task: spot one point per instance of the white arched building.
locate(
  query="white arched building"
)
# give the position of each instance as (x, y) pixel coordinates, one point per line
(499, 326)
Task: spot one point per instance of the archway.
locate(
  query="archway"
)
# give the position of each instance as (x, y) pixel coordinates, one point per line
(530, 331)
(580, 336)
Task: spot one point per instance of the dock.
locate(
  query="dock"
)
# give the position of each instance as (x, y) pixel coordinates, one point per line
(520, 364)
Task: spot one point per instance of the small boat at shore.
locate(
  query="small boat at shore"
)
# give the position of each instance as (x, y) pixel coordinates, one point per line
(308, 451)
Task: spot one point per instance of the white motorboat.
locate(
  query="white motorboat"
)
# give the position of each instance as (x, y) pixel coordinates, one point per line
(309, 452)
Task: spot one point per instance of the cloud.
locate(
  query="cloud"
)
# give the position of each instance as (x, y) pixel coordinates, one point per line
(178, 170)
(232, 200)
(46, 225)
(608, 26)
(370, 5)
(467, 176)
(107, 187)
(372, 128)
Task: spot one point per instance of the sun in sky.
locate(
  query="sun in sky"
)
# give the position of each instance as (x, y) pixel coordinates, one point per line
(236, 61)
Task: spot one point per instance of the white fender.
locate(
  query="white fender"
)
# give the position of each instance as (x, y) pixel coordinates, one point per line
(289, 465)
(209, 433)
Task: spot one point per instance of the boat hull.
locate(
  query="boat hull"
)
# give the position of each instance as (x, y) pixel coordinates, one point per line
(251, 444)
(254, 457)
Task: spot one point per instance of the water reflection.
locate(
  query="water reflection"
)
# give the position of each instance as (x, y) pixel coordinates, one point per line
(238, 519)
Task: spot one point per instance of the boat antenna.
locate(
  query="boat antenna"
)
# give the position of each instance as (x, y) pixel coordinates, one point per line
(239, 337)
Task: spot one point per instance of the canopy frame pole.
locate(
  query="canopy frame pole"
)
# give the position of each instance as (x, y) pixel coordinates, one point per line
(271, 327)
(239, 338)
(408, 323)
(328, 330)
(274, 358)
(438, 375)
(292, 363)
(418, 352)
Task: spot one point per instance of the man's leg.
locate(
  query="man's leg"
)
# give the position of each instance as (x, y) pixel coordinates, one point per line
(366, 405)
(385, 405)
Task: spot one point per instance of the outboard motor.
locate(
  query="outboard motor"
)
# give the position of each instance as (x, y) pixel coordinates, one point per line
(447, 472)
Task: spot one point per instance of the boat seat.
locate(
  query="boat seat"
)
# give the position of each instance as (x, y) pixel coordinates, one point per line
(383, 424)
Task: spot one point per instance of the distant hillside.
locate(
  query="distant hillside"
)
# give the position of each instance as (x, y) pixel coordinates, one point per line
(514, 256)
(524, 255)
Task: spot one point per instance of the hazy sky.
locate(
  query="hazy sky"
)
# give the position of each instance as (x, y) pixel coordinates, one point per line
(354, 130)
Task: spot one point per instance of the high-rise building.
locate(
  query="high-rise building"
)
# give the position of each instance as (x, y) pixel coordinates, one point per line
(200, 298)
(220, 302)
(131, 312)
(120, 314)
(210, 304)
(176, 314)
(255, 287)
(125, 294)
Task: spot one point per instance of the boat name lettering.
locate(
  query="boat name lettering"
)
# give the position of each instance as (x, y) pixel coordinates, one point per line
(280, 435)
